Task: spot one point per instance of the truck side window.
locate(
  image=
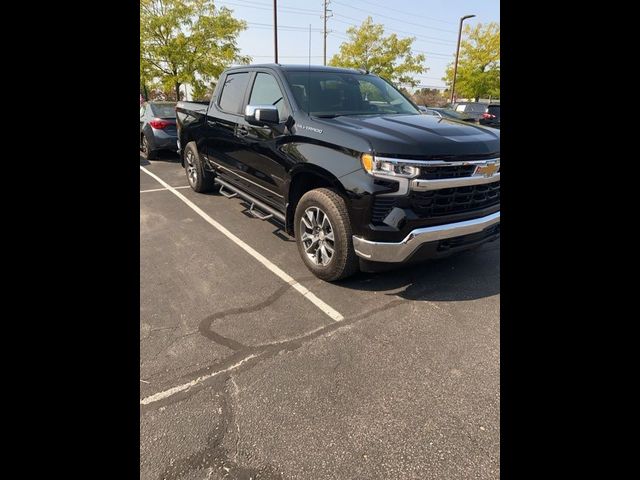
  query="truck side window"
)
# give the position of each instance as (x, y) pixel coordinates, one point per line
(267, 92)
(233, 92)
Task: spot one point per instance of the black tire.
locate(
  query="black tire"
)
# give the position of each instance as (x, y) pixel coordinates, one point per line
(147, 151)
(199, 179)
(343, 262)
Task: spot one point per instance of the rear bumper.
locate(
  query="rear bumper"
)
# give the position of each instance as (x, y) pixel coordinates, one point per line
(391, 252)
(165, 140)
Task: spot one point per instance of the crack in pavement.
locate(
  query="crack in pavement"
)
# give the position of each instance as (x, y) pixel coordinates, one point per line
(247, 358)
(215, 454)
(221, 457)
(234, 395)
(205, 324)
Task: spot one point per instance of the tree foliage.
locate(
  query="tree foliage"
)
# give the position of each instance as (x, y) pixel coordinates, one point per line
(389, 57)
(479, 63)
(186, 41)
(430, 97)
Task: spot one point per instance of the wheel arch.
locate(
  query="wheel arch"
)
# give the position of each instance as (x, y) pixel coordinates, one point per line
(304, 178)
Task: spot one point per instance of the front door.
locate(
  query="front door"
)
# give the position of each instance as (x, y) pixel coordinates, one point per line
(266, 165)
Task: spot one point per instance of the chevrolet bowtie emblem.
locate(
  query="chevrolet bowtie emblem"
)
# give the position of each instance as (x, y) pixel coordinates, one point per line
(487, 170)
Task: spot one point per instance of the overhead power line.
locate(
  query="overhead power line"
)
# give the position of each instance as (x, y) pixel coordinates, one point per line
(403, 12)
(421, 25)
(269, 6)
(395, 30)
(306, 29)
(254, 6)
(285, 56)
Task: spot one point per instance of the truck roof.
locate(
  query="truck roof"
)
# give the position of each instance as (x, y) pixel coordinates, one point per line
(299, 68)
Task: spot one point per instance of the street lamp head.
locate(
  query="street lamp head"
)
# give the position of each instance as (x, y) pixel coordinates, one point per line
(467, 16)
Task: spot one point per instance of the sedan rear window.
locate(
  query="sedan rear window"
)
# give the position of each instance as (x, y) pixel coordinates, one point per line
(475, 107)
(164, 110)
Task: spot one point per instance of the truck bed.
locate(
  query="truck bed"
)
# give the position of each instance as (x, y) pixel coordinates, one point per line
(196, 107)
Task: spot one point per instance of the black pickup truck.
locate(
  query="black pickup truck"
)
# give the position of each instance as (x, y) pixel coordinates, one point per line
(346, 163)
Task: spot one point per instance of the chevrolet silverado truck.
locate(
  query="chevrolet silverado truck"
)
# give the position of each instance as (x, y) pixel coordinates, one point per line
(345, 163)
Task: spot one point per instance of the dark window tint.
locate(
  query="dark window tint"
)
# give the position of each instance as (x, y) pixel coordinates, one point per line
(233, 92)
(267, 92)
(329, 94)
(494, 110)
(164, 110)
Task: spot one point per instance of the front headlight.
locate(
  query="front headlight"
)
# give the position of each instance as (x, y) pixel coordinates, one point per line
(387, 167)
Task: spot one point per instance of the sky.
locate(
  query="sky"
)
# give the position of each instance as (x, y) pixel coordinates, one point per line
(434, 23)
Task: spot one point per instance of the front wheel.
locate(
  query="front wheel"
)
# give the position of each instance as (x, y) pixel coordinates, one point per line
(323, 235)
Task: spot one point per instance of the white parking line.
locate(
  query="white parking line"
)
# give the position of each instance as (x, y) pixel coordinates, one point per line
(161, 189)
(172, 391)
(327, 309)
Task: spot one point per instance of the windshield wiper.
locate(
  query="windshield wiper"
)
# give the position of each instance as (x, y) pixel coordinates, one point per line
(330, 115)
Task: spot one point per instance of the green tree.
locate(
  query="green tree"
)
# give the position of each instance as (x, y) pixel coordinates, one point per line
(186, 41)
(389, 57)
(479, 63)
(430, 97)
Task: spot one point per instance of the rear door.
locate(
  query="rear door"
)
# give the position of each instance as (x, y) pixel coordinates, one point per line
(222, 146)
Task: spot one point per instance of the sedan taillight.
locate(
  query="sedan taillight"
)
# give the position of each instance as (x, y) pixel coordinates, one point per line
(488, 116)
(159, 123)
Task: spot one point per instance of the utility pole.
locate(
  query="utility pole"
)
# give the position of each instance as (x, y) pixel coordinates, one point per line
(275, 29)
(324, 18)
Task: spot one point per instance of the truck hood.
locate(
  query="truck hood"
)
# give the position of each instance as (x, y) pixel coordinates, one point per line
(420, 135)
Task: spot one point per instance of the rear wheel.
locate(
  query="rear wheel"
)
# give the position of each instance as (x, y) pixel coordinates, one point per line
(199, 179)
(323, 235)
(147, 151)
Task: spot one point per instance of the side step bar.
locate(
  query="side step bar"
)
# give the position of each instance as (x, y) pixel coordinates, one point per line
(255, 203)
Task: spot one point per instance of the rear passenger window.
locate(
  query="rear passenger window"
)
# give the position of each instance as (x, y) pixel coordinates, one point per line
(233, 92)
(267, 92)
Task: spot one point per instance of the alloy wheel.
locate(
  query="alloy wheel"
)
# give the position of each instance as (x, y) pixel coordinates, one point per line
(317, 236)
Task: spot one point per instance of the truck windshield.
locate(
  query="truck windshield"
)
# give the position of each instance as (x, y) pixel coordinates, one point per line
(329, 94)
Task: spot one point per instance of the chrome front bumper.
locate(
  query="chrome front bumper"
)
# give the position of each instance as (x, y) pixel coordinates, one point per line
(399, 252)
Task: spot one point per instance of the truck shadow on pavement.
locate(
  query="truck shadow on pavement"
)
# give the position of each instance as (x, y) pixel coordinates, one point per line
(467, 275)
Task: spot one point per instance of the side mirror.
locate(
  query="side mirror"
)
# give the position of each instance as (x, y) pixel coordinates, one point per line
(261, 114)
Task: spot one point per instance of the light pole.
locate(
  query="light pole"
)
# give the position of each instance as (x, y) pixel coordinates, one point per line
(275, 29)
(455, 65)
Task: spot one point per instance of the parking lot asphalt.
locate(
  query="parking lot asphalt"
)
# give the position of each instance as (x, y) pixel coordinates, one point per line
(242, 376)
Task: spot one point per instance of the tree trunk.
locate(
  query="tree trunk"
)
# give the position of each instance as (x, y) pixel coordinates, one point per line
(146, 92)
(177, 92)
